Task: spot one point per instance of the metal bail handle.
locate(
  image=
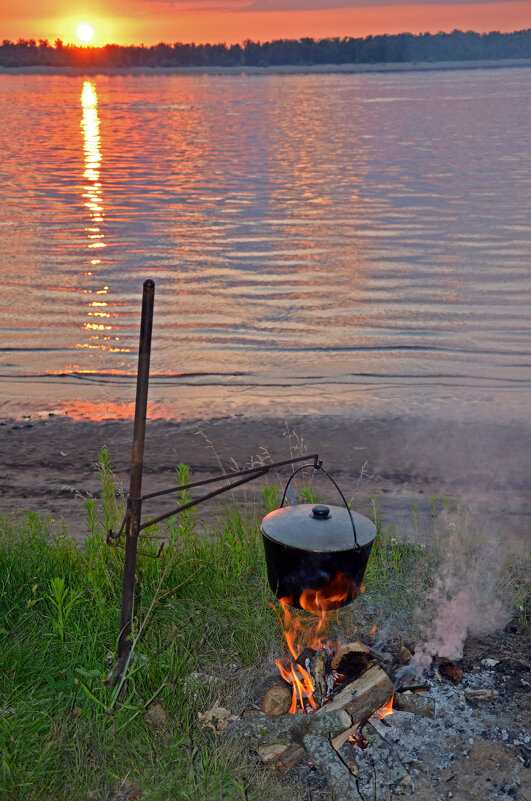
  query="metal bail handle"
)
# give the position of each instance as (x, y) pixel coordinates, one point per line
(319, 466)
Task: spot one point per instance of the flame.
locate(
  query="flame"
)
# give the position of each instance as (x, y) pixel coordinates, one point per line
(301, 632)
(302, 685)
(357, 740)
(386, 709)
(328, 596)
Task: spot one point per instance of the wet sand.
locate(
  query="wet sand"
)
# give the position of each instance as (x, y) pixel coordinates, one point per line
(284, 69)
(46, 463)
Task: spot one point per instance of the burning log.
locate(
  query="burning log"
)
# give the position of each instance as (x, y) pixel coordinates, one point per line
(417, 704)
(351, 659)
(355, 702)
(397, 773)
(361, 697)
(318, 670)
(277, 700)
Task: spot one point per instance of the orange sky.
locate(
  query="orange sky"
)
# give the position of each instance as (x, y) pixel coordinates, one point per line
(151, 21)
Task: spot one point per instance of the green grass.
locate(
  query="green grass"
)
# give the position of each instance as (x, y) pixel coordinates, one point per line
(202, 630)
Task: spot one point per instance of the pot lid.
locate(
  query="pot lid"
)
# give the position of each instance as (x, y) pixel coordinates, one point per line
(317, 527)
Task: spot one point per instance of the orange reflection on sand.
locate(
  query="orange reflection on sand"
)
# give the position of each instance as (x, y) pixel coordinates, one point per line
(111, 410)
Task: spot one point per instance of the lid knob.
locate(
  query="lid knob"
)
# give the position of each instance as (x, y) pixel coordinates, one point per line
(321, 512)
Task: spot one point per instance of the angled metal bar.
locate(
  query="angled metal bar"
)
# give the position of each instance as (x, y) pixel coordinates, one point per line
(134, 504)
(202, 498)
(230, 476)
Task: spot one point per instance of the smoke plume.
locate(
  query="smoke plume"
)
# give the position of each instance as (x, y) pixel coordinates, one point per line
(469, 595)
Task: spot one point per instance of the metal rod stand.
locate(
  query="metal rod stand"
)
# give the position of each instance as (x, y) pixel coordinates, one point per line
(134, 504)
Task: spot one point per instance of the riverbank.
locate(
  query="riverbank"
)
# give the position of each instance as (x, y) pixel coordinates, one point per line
(283, 69)
(47, 463)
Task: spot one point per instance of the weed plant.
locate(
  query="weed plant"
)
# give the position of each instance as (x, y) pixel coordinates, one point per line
(202, 627)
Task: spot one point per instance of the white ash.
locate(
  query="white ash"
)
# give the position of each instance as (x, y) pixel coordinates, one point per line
(434, 744)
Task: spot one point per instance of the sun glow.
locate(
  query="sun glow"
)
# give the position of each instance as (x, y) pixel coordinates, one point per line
(85, 32)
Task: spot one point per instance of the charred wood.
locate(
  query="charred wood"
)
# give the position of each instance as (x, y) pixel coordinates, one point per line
(413, 688)
(451, 671)
(351, 660)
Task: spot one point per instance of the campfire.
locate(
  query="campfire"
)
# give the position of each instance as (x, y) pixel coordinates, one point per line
(327, 691)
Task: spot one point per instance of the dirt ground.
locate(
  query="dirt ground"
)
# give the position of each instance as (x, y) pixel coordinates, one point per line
(44, 462)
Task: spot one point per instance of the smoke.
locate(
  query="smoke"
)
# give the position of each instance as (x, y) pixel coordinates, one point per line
(470, 594)
(466, 612)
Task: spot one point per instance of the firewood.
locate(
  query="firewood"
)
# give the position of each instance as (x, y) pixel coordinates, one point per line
(351, 659)
(350, 648)
(481, 695)
(270, 753)
(318, 670)
(361, 697)
(341, 781)
(292, 756)
(397, 773)
(277, 700)
(338, 741)
(282, 729)
(403, 657)
(381, 656)
(354, 703)
(346, 755)
(411, 702)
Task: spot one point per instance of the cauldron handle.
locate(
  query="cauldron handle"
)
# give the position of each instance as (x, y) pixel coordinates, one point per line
(319, 466)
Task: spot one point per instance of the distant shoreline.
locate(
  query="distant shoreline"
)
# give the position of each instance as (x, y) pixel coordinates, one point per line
(285, 69)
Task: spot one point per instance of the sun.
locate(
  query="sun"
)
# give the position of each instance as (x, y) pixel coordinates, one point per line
(85, 32)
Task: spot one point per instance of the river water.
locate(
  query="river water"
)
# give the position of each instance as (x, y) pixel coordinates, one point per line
(351, 244)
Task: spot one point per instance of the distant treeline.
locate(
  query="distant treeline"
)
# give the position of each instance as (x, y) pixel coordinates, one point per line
(455, 46)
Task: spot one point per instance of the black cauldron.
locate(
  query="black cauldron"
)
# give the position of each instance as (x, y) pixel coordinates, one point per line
(316, 552)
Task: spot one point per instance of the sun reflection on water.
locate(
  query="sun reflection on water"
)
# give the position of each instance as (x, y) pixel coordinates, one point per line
(99, 330)
(90, 125)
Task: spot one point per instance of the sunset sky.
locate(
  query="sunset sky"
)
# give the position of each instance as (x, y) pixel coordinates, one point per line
(152, 21)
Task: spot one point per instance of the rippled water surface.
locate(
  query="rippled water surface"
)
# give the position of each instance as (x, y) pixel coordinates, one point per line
(317, 241)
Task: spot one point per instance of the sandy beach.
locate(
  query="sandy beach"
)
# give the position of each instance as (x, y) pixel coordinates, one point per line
(285, 69)
(46, 463)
